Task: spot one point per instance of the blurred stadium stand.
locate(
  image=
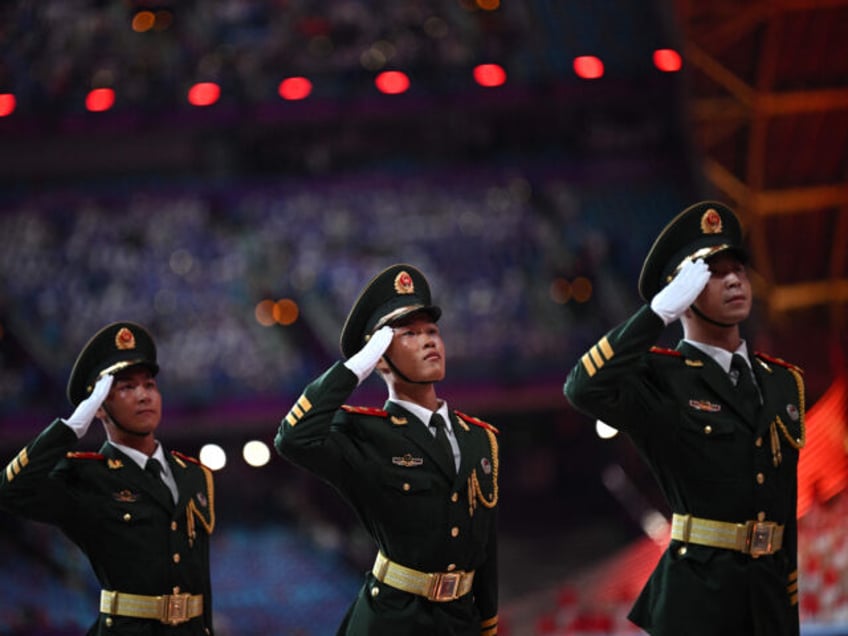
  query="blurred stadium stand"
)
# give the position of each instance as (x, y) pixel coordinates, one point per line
(529, 207)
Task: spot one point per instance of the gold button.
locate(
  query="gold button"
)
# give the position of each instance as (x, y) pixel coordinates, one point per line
(375, 591)
(406, 487)
(173, 525)
(761, 516)
(760, 478)
(176, 557)
(455, 497)
(708, 429)
(681, 550)
(454, 531)
(758, 442)
(451, 567)
(108, 621)
(127, 517)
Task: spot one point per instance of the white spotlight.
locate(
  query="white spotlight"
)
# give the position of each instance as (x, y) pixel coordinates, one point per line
(213, 457)
(256, 453)
(605, 431)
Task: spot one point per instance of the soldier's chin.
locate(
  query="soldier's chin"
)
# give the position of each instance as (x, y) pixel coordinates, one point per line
(434, 376)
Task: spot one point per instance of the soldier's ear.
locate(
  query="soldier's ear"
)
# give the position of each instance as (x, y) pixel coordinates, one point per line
(383, 367)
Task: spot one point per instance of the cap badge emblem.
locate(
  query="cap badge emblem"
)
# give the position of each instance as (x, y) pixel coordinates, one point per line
(124, 339)
(711, 222)
(404, 284)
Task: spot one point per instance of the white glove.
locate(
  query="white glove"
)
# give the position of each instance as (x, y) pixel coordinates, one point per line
(676, 297)
(363, 362)
(84, 414)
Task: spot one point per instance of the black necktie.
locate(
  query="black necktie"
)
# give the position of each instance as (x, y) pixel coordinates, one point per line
(438, 423)
(748, 393)
(154, 469)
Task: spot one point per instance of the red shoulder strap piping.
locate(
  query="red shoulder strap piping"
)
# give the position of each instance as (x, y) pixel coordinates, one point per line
(666, 352)
(778, 361)
(476, 422)
(365, 410)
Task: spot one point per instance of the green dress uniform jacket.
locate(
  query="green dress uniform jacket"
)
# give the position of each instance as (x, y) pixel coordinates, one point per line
(420, 512)
(137, 540)
(711, 461)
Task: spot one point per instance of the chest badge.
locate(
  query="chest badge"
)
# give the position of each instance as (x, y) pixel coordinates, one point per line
(408, 461)
(486, 465)
(792, 412)
(705, 405)
(125, 496)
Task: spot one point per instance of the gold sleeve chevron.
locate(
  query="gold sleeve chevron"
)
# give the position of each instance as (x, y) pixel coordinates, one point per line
(300, 408)
(489, 627)
(16, 465)
(597, 356)
(792, 588)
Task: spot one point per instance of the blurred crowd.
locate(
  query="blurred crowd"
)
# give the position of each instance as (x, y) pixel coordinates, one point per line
(53, 52)
(504, 253)
(56, 51)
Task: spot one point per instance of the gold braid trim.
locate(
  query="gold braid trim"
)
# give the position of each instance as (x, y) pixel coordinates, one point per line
(192, 510)
(475, 492)
(797, 444)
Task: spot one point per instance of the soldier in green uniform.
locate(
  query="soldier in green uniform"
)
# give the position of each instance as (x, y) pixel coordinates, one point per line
(422, 478)
(722, 441)
(145, 529)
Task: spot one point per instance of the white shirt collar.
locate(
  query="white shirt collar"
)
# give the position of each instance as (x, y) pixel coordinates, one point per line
(722, 356)
(424, 414)
(140, 458)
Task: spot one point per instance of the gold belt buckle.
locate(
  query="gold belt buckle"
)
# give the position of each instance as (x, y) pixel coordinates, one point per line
(761, 537)
(445, 586)
(175, 609)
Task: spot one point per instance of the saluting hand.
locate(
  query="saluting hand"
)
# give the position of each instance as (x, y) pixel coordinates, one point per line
(84, 414)
(363, 362)
(676, 297)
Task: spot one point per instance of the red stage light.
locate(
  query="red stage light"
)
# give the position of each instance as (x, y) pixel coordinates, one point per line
(667, 60)
(392, 82)
(7, 104)
(100, 99)
(489, 75)
(204, 94)
(294, 88)
(588, 67)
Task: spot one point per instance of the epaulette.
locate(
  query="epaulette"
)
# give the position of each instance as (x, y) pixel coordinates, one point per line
(778, 361)
(476, 422)
(185, 458)
(365, 410)
(666, 352)
(82, 455)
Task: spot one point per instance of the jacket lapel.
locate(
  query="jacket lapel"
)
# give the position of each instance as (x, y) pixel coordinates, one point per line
(465, 440)
(135, 475)
(716, 378)
(761, 374)
(417, 432)
(178, 472)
